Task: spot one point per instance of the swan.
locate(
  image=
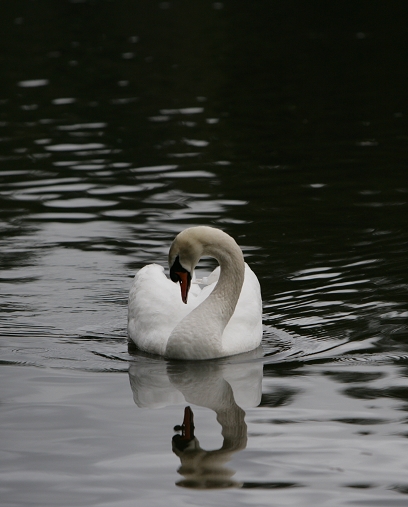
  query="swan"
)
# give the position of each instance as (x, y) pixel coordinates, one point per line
(222, 319)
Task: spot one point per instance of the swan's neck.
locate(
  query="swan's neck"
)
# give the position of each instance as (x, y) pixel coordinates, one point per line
(199, 335)
(224, 297)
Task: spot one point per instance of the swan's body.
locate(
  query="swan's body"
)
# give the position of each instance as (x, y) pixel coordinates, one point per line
(222, 319)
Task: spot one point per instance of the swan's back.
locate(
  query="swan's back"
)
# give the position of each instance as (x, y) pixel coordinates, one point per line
(155, 308)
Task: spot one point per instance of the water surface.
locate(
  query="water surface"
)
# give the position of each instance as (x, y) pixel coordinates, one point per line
(123, 123)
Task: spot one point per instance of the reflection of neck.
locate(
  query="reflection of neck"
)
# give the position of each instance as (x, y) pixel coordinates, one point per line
(216, 385)
(234, 428)
(205, 469)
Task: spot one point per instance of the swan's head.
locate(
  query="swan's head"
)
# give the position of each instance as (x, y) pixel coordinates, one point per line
(184, 254)
(192, 244)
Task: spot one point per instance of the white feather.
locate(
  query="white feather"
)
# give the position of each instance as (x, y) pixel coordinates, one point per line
(157, 312)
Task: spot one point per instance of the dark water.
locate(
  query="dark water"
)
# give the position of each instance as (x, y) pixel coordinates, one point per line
(285, 124)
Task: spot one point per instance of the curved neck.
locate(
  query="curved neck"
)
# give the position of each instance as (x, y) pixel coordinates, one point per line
(228, 289)
(199, 334)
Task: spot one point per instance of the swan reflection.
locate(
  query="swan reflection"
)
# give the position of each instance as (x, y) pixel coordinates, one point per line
(225, 388)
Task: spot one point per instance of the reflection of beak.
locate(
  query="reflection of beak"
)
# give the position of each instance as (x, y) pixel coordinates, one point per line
(187, 439)
(187, 428)
(187, 431)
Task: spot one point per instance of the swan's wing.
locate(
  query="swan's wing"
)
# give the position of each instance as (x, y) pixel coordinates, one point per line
(208, 284)
(245, 326)
(155, 308)
(213, 277)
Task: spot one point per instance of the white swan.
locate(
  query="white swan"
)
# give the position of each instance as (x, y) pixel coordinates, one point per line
(222, 319)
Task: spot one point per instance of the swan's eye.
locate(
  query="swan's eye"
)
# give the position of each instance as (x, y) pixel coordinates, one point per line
(175, 269)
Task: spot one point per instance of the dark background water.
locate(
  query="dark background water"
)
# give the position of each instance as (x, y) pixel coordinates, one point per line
(285, 124)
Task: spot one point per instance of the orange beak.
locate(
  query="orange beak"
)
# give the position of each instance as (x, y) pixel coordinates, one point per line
(180, 274)
(184, 284)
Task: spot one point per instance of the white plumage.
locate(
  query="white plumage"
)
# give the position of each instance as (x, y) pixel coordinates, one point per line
(221, 319)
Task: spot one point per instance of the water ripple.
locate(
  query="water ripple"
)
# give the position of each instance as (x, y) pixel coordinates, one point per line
(79, 203)
(74, 147)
